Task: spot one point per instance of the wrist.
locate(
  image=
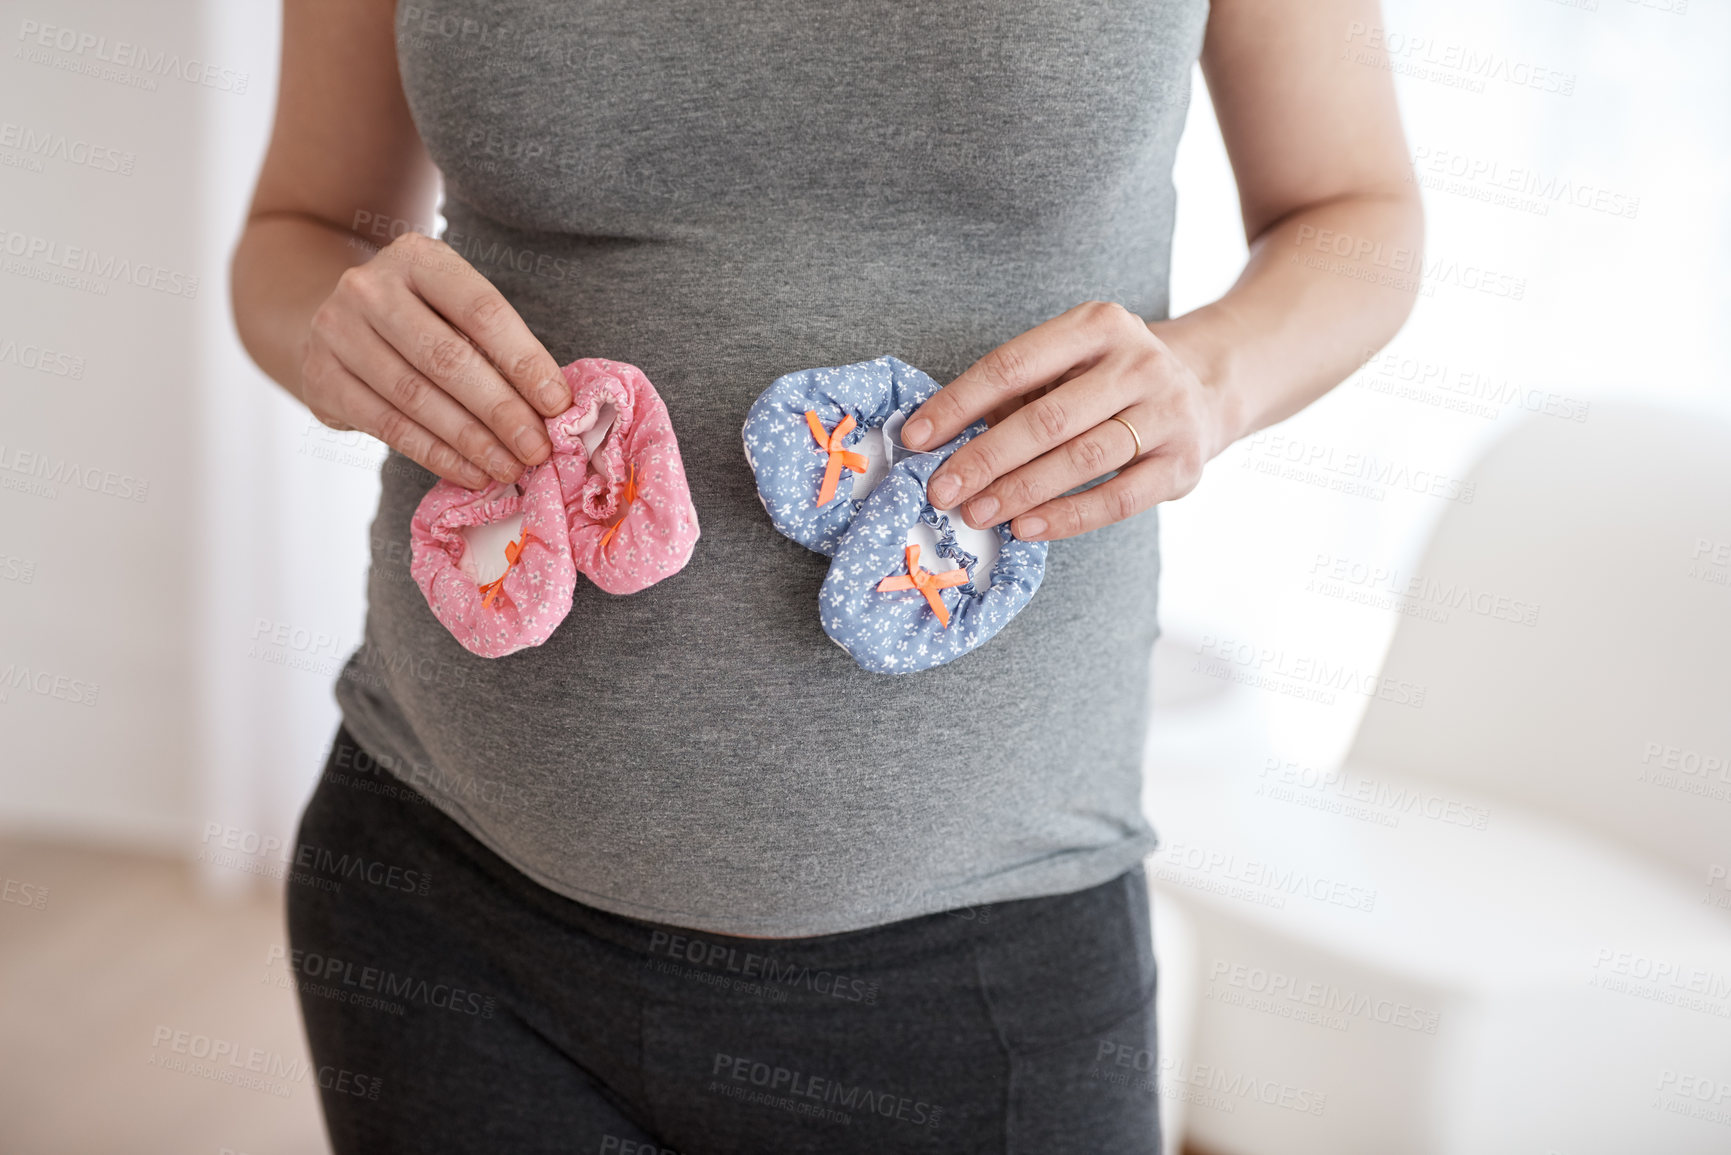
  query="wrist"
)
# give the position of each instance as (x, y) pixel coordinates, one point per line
(1197, 344)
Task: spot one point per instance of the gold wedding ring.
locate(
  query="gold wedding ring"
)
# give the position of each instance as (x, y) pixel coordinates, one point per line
(1133, 434)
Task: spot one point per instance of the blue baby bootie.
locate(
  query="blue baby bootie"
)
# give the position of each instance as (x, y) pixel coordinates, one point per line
(811, 433)
(893, 605)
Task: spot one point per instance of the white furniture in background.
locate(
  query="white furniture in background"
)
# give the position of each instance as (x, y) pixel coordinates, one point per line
(1174, 1011)
(1502, 925)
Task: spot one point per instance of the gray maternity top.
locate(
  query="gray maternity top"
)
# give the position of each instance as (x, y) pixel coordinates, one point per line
(720, 193)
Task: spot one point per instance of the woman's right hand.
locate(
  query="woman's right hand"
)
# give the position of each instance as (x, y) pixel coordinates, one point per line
(418, 349)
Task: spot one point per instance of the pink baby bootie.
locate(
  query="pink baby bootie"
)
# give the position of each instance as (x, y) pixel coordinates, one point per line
(499, 566)
(630, 517)
(495, 564)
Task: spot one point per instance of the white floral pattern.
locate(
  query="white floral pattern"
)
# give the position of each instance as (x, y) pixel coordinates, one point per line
(568, 503)
(885, 632)
(897, 632)
(786, 459)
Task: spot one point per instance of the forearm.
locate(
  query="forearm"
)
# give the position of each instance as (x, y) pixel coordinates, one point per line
(1302, 316)
(284, 267)
(396, 336)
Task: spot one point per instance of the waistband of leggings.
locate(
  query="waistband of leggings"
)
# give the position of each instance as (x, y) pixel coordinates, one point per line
(438, 833)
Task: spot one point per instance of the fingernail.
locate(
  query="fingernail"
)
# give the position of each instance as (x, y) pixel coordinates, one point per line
(501, 466)
(981, 509)
(943, 492)
(915, 432)
(528, 442)
(1032, 527)
(553, 396)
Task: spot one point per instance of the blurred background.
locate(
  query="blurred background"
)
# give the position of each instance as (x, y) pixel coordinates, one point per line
(1441, 756)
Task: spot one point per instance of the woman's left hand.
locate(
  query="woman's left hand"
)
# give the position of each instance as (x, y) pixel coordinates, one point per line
(1050, 396)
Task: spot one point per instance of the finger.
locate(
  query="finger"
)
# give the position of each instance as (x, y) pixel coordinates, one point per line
(445, 357)
(1072, 340)
(1041, 425)
(371, 414)
(1150, 480)
(1105, 447)
(476, 308)
(372, 359)
(1011, 404)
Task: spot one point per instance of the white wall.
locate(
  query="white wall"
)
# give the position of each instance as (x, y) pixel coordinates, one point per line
(110, 599)
(165, 603)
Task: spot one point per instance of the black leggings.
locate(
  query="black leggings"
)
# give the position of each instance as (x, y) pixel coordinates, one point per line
(455, 1005)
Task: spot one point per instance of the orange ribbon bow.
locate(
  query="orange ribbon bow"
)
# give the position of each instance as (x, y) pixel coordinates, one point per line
(629, 497)
(927, 582)
(830, 443)
(513, 551)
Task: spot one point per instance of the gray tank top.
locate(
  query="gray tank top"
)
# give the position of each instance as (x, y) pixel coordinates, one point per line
(721, 193)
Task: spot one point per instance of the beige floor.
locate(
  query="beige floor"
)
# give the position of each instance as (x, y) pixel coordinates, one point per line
(125, 952)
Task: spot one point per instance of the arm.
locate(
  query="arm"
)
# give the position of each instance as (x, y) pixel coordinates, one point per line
(1316, 147)
(411, 345)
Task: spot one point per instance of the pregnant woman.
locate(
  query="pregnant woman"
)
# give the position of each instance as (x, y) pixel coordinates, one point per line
(686, 877)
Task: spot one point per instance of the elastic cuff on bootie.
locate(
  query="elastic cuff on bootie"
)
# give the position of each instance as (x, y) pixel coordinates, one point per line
(631, 519)
(814, 440)
(495, 564)
(898, 597)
